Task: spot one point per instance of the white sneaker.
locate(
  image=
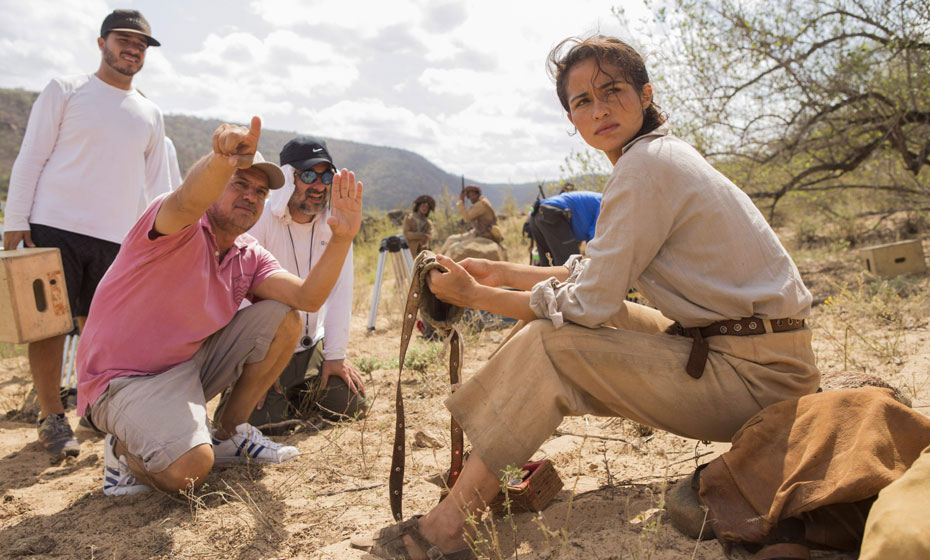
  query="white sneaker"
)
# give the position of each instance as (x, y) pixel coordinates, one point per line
(248, 444)
(118, 479)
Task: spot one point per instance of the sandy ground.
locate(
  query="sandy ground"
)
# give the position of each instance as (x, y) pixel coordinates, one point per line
(610, 507)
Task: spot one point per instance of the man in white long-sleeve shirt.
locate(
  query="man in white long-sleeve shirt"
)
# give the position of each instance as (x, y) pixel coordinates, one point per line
(293, 228)
(93, 150)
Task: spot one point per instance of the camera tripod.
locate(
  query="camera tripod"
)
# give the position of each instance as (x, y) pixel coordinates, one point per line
(402, 261)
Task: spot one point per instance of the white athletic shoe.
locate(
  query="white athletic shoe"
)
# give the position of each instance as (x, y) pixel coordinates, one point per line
(118, 479)
(248, 445)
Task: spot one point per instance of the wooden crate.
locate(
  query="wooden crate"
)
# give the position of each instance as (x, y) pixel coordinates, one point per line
(892, 259)
(33, 297)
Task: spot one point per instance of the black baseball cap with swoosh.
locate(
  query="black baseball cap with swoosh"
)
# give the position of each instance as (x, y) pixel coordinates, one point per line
(304, 152)
(128, 21)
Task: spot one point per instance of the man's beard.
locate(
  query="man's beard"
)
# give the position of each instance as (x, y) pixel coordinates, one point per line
(306, 208)
(113, 61)
(228, 221)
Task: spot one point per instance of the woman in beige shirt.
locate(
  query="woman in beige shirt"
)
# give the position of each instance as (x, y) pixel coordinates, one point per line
(726, 337)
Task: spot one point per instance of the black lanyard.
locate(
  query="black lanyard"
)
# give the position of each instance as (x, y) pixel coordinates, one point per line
(306, 341)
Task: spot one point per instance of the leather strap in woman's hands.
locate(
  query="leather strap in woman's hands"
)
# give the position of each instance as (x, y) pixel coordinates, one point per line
(443, 317)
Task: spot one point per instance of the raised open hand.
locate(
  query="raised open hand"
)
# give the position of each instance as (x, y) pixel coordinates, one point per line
(237, 143)
(346, 205)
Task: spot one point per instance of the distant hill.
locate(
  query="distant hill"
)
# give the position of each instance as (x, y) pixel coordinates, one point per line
(392, 177)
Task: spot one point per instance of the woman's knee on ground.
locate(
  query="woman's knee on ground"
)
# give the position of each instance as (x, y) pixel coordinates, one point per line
(187, 471)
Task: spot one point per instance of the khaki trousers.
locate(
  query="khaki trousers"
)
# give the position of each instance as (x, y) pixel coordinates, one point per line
(541, 374)
(898, 525)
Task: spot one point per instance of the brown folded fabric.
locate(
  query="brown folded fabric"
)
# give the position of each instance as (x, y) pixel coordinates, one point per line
(823, 458)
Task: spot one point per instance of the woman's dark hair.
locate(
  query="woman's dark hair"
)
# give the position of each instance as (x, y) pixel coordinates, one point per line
(608, 53)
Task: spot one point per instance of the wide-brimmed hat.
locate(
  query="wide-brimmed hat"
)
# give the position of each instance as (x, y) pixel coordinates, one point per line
(473, 188)
(427, 199)
(304, 152)
(274, 173)
(129, 21)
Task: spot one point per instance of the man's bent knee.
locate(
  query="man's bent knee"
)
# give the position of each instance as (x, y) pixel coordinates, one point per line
(291, 323)
(289, 330)
(187, 471)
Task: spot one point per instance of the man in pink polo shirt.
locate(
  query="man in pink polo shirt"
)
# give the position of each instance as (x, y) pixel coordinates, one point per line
(164, 336)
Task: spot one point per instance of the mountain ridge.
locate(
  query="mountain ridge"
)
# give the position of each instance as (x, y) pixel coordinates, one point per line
(393, 177)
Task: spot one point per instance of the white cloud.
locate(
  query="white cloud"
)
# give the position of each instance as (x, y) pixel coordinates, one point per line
(371, 121)
(41, 40)
(359, 19)
(463, 83)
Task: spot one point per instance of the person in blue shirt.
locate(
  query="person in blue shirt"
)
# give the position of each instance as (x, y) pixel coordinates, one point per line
(560, 223)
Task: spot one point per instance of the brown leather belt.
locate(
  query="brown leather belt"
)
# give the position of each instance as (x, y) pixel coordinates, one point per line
(442, 317)
(733, 327)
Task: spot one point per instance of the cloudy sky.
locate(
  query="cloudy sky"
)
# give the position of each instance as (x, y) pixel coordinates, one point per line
(462, 83)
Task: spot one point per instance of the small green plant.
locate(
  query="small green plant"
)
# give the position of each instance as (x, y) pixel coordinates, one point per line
(652, 525)
(421, 358)
(367, 365)
(874, 314)
(486, 542)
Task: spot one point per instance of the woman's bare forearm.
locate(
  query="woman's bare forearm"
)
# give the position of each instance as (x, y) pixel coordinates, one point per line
(524, 276)
(509, 303)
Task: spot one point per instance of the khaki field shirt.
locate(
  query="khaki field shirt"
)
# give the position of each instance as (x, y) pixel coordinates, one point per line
(686, 237)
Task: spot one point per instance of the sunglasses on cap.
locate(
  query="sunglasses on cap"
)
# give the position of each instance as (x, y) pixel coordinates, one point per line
(309, 176)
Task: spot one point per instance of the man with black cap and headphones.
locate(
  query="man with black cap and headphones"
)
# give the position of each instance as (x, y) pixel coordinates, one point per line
(93, 151)
(293, 228)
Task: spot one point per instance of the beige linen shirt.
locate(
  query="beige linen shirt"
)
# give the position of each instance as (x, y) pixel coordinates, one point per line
(686, 237)
(480, 215)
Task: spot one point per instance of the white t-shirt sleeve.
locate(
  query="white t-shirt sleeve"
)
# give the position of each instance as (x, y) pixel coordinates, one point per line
(338, 312)
(174, 170)
(157, 180)
(38, 144)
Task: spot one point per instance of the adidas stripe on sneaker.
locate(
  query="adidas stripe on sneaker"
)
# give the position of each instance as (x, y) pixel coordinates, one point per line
(118, 479)
(248, 444)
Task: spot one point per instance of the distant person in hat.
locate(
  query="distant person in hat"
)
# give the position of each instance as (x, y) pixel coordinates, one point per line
(93, 156)
(166, 333)
(560, 223)
(319, 377)
(418, 228)
(480, 217)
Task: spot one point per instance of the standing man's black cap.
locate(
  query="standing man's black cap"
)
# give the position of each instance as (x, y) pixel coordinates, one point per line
(304, 152)
(130, 21)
